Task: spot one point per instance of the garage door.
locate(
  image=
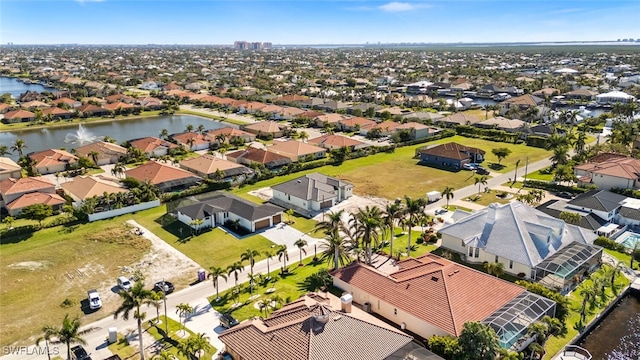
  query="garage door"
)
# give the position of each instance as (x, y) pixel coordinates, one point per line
(325, 204)
(262, 224)
(277, 219)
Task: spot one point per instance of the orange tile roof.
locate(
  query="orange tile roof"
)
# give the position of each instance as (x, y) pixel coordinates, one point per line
(294, 148)
(266, 127)
(335, 141)
(183, 138)
(56, 111)
(209, 164)
(103, 148)
(360, 121)
(84, 187)
(229, 132)
(157, 173)
(118, 105)
(52, 157)
(149, 144)
(6, 164)
(36, 198)
(24, 185)
(19, 114)
(64, 100)
(622, 167)
(437, 291)
(331, 118)
(258, 155)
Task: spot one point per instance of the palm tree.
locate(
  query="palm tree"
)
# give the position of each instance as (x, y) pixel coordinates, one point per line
(200, 128)
(283, 255)
(156, 297)
(132, 300)
(365, 225)
(234, 269)
(335, 249)
(189, 128)
(302, 135)
(560, 156)
(250, 255)
(216, 273)
(69, 333)
(94, 156)
(333, 223)
(118, 169)
(164, 134)
(184, 309)
(447, 193)
(301, 243)
(515, 172)
(163, 355)
(414, 210)
(199, 344)
(48, 334)
(392, 212)
(18, 146)
(480, 180)
(4, 150)
(268, 255)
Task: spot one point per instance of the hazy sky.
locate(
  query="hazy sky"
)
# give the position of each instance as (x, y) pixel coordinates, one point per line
(314, 22)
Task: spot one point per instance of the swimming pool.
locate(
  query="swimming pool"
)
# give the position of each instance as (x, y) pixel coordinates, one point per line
(630, 240)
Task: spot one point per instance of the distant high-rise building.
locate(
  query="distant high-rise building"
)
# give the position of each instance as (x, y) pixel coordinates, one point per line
(267, 45)
(241, 45)
(255, 45)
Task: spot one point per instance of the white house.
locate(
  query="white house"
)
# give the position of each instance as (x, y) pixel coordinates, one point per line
(312, 192)
(613, 97)
(228, 209)
(609, 171)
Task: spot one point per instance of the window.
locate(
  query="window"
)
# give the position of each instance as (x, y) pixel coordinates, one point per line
(496, 258)
(462, 243)
(289, 197)
(510, 264)
(470, 251)
(395, 311)
(477, 252)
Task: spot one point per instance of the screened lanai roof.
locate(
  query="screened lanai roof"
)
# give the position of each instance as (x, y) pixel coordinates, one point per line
(511, 321)
(565, 261)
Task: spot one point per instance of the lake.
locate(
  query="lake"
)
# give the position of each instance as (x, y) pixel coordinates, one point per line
(120, 130)
(617, 337)
(15, 87)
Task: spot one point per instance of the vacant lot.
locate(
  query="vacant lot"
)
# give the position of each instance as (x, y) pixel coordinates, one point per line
(60, 263)
(393, 175)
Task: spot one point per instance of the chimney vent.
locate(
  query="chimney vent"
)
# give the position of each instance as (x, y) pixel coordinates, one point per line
(345, 302)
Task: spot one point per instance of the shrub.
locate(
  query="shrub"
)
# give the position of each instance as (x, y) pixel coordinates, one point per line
(554, 187)
(609, 244)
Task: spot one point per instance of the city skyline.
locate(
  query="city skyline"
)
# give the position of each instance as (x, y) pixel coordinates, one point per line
(313, 22)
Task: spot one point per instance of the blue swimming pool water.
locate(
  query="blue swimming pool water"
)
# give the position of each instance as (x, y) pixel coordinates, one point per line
(630, 241)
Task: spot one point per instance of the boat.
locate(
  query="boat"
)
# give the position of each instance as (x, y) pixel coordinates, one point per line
(501, 97)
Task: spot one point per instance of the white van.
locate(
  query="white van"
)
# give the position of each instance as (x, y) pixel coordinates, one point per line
(124, 283)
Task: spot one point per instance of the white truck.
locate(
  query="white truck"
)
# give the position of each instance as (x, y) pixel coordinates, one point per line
(433, 196)
(94, 299)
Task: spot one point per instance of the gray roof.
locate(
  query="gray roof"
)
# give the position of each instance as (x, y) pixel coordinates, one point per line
(600, 200)
(630, 213)
(519, 232)
(314, 186)
(228, 202)
(588, 220)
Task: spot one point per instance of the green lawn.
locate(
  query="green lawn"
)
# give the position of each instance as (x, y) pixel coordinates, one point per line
(213, 247)
(287, 287)
(211, 116)
(385, 174)
(557, 343)
(123, 349)
(623, 257)
(539, 175)
(485, 199)
(176, 335)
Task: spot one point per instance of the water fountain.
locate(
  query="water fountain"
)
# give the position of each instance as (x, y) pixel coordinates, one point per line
(80, 137)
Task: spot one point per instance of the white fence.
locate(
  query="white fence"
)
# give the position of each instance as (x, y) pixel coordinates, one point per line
(125, 210)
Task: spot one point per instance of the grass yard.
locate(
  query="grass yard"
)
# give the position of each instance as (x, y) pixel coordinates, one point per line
(35, 268)
(176, 335)
(385, 174)
(624, 258)
(540, 176)
(485, 199)
(211, 116)
(212, 247)
(287, 287)
(123, 349)
(557, 343)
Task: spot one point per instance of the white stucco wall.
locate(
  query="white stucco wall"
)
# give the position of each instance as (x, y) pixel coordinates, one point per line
(124, 210)
(606, 182)
(295, 201)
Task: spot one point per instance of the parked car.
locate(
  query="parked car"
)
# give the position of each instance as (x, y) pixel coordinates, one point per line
(163, 286)
(468, 167)
(482, 171)
(565, 195)
(124, 283)
(94, 299)
(79, 353)
(228, 321)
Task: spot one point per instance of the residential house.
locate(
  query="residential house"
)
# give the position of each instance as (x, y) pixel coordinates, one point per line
(430, 295)
(51, 161)
(297, 150)
(450, 155)
(165, 177)
(104, 152)
(9, 169)
(355, 123)
(153, 146)
(229, 133)
(291, 99)
(614, 97)
(423, 116)
(332, 119)
(363, 107)
(209, 166)
(228, 209)
(629, 213)
(314, 327)
(332, 142)
(502, 123)
(4, 108)
(609, 171)
(67, 101)
(88, 110)
(266, 128)
(581, 95)
(526, 241)
(311, 192)
(546, 92)
(84, 187)
(393, 111)
(119, 107)
(459, 119)
(58, 113)
(251, 155)
(149, 102)
(417, 130)
(16, 116)
(588, 220)
(522, 103)
(193, 141)
(15, 194)
(116, 98)
(35, 104)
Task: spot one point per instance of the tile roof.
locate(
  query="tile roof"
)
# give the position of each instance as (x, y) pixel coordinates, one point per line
(57, 111)
(24, 185)
(312, 330)
(6, 164)
(613, 165)
(526, 99)
(359, 121)
(294, 148)
(437, 291)
(460, 118)
(36, 198)
(314, 186)
(262, 156)
(229, 132)
(266, 127)
(157, 173)
(452, 150)
(503, 123)
(209, 164)
(533, 235)
(149, 144)
(52, 157)
(83, 187)
(183, 138)
(103, 148)
(332, 141)
(19, 114)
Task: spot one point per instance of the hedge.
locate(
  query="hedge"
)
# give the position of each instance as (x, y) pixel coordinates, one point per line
(554, 187)
(609, 244)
